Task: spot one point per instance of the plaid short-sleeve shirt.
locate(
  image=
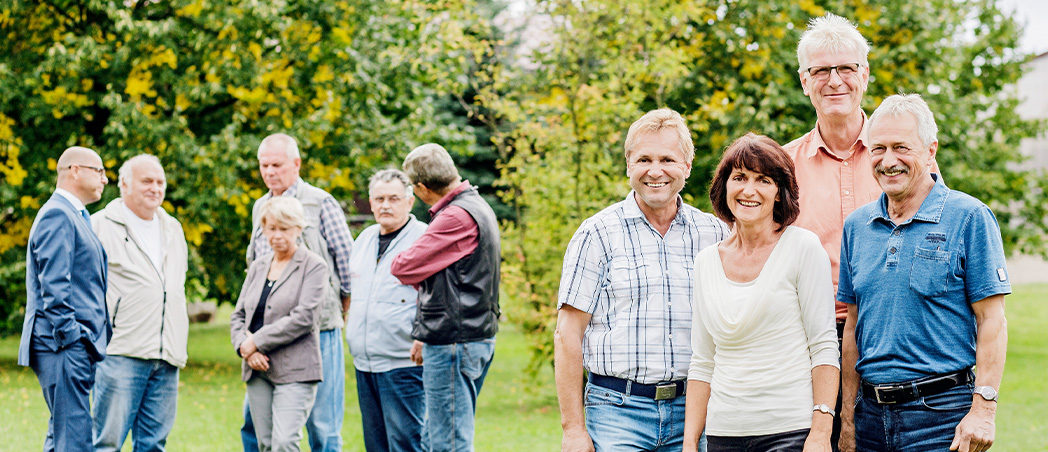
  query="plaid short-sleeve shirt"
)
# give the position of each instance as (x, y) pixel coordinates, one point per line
(637, 285)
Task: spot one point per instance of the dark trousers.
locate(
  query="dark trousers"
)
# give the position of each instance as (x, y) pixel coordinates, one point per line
(66, 378)
(392, 408)
(835, 435)
(775, 442)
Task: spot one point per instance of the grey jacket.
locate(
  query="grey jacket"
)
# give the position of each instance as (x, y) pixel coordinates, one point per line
(147, 308)
(290, 335)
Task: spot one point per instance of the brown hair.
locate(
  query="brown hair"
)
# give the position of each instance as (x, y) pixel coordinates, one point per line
(760, 154)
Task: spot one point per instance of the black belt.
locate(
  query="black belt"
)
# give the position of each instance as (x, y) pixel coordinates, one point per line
(887, 394)
(659, 391)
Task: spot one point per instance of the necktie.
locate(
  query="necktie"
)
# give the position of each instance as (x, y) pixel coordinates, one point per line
(87, 218)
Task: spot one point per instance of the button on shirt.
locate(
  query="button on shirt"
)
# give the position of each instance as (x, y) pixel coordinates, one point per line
(915, 318)
(831, 188)
(637, 285)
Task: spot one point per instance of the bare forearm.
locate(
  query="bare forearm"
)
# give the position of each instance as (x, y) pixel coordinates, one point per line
(824, 392)
(569, 376)
(698, 400)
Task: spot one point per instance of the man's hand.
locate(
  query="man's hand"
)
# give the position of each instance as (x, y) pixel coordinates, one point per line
(258, 361)
(248, 346)
(416, 352)
(976, 431)
(847, 441)
(576, 440)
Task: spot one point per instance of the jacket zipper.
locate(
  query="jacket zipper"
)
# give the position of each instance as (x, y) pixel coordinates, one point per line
(112, 322)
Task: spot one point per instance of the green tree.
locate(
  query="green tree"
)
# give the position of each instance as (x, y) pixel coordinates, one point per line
(199, 83)
(730, 67)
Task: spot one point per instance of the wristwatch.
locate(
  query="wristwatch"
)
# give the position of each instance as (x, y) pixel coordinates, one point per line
(824, 408)
(987, 393)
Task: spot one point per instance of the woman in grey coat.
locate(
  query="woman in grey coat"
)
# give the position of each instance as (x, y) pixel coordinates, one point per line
(274, 329)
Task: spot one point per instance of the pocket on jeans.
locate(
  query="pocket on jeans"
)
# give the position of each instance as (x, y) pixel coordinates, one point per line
(952, 400)
(474, 358)
(598, 396)
(929, 272)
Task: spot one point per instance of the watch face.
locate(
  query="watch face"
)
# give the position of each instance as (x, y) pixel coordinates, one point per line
(986, 392)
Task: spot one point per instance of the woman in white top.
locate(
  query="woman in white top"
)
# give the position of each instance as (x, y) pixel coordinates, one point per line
(763, 336)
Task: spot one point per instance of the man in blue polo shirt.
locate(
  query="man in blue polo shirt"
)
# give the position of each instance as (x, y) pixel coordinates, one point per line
(923, 274)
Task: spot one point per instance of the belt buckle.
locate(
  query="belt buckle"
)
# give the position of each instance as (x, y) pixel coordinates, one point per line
(665, 391)
(877, 394)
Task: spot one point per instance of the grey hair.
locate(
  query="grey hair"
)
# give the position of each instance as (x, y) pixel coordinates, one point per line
(834, 34)
(897, 105)
(281, 139)
(127, 170)
(432, 166)
(284, 210)
(657, 120)
(390, 175)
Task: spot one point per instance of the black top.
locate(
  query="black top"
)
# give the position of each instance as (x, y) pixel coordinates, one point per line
(259, 318)
(385, 239)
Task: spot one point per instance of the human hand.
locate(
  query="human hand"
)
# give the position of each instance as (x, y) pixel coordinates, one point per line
(576, 440)
(248, 346)
(818, 443)
(847, 441)
(976, 431)
(416, 352)
(258, 361)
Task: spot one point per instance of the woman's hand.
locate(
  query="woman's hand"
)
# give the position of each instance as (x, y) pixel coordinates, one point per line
(817, 443)
(258, 361)
(248, 346)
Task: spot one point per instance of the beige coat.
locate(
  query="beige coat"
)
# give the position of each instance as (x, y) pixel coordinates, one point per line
(289, 335)
(147, 307)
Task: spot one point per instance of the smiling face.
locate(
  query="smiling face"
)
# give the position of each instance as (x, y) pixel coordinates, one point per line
(279, 171)
(835, 96)
(657, 169)
(144, 192)
(391, 205)
(751, 196)
(900, 159)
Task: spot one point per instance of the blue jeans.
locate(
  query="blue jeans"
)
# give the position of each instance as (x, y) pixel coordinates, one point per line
(453, 375)
(618, 422)
(392, 408)
(134, 395)
(925, 424)
(324, 425)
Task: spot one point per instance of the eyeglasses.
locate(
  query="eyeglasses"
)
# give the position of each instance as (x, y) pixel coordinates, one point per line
(99, 170)
(843, 70)
(392, 200)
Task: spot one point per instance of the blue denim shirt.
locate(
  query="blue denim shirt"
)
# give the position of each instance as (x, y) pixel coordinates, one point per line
(378, 329)
(914, 283)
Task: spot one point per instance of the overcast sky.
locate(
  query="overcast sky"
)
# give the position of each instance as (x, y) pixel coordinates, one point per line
(1033, 14)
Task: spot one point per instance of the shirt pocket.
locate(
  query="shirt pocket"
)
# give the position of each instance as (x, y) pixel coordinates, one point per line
(930, 272)
(629, 280)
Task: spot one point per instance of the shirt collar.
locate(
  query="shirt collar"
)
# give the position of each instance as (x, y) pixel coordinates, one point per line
(76, 202)
(630, 209)
(291, 191)
(931, 208)
(440, 205)
(817, 143)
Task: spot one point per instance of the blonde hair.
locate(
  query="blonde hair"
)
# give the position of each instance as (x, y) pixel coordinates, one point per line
(284, 210)
(655, 121)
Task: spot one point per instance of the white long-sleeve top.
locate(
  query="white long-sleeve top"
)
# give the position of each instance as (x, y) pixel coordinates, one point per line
(757, 342)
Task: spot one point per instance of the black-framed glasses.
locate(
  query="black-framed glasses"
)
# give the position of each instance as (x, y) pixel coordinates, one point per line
(843, 70)
(100, 170)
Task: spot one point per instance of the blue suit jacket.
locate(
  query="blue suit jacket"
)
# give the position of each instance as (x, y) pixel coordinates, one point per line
(65, 283)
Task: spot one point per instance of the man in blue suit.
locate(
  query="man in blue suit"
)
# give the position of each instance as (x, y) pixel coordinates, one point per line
(66, 325)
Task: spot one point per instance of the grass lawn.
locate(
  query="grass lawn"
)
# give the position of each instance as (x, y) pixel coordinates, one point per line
(514, 414)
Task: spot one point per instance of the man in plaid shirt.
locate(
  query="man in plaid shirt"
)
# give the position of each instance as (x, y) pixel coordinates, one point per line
(625, 301)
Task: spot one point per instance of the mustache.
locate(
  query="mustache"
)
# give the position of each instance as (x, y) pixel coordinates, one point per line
(882, 168)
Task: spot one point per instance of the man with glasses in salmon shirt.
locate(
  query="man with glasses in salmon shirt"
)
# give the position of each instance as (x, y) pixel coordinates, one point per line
(833, 160)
